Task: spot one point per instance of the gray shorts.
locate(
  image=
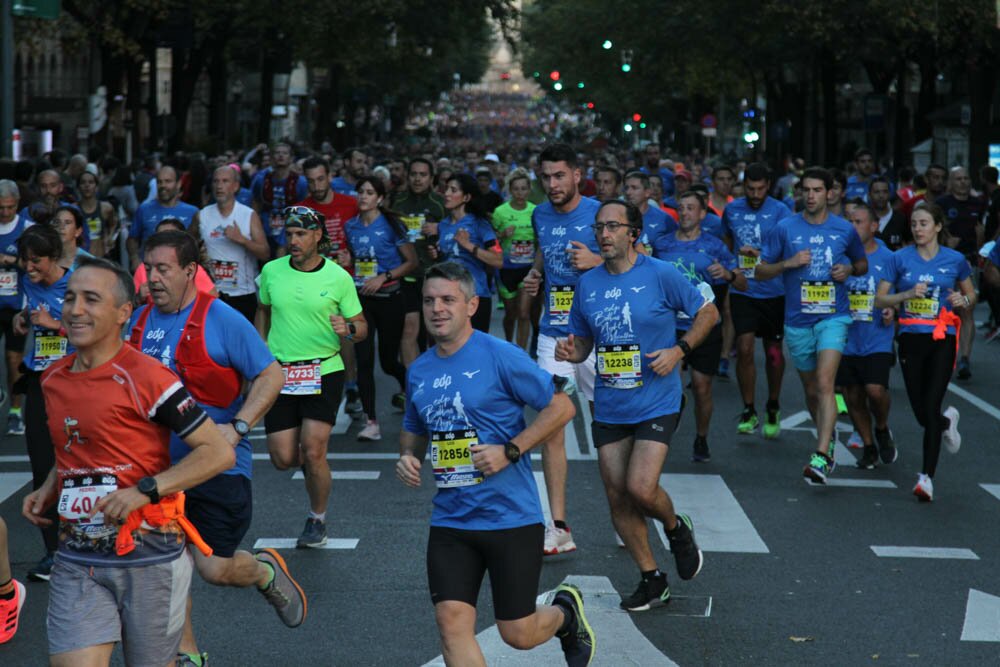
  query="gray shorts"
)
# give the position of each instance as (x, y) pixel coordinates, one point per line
(89, 606)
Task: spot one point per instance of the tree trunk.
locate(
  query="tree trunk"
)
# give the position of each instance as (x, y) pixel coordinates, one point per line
(927, 99)
(982, 85)
(218, 109)
(900, 147)
(828, 80)
(266, 99)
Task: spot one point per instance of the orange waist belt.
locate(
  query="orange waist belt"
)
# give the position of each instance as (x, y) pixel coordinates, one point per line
(169, 509)
(944, 319)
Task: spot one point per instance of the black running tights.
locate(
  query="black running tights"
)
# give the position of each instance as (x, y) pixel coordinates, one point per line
(385, 317)
(927, 366)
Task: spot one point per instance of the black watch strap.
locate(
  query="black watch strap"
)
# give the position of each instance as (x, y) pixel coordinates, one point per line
(147, 486)
(512, 452)
(685, 348)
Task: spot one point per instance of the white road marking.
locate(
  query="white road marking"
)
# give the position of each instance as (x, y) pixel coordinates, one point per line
(573, 450)
(993, 489)
(346, 474)
(925, 552)
(619, 642)
(543, 496)
(860, 483)
(344, 456)
(289, 543)
(975, 400)
(720, 524)
(12, 482)
(982, 618)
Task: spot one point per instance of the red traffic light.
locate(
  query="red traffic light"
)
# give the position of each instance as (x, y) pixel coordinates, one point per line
(554, 75)
(590, 105)
(637, 117)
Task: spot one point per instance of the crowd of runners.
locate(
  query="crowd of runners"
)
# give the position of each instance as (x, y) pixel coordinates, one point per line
(154, 313)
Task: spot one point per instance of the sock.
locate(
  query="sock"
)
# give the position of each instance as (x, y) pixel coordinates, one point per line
(7, 590)
(270, 579)
(195, 658)
(750, 408)
(772, 406)
(15, 411)
(350, 386)
(321, 516)
(651, 574)
(568, 618)
(561, 524)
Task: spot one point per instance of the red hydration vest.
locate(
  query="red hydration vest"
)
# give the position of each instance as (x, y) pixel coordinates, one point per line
(267, 189)
(208, 382)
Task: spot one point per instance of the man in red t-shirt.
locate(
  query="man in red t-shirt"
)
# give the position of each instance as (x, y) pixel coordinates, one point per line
(121, 514)
(336, 208)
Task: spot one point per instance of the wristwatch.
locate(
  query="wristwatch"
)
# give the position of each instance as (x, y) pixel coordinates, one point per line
(685, 348)
(147, 487)
(512, 452)
(241, 427)
(351, 329)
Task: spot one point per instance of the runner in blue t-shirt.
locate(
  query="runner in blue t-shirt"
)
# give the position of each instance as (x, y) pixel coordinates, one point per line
(274, 189)
(815, 253)
(759, 310)
(566, 248)
(709, 265)
(863, 376)
(655, 222)
(167, 204)
(466, 398)
(932, 286)
(627, 311)
(221, 507)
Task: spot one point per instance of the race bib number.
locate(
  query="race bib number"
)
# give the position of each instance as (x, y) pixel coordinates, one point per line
(620, 366)
(560, 301)
(451, 458)
(8, 283)
(819, 297)
(522, 252)
(277, 223)
(225, 272)
(748, 265)
(926, 308)
(79, 496)
(364, 268)
(49, 348)
(94, 224)
(302, 378)
(413, 224)
(862, 305)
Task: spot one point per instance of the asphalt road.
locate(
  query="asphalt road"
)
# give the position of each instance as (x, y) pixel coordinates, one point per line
(792, 573)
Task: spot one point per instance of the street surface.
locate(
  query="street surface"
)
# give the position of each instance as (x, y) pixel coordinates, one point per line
(854, 573)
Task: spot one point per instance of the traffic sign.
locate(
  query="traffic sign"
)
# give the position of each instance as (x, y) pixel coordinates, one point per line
(709, 121)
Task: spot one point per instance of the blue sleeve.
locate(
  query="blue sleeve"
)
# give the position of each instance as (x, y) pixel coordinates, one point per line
(785, 211)
(485, 231)
(578, 324)
(964, 270)
(301, 190)
(772, 245)
(855, 250)
(135, 231)
(523, 379)
(679, 292)
(255, 186)
(411, 420)
(994, 255)
(233, 342)
(891, 272)
(724, 256)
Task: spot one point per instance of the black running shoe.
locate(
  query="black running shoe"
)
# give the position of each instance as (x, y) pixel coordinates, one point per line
(684, 548)
(886, 446)
(653, 592)
(869, 458)
(399, 401)
(313, 535)
(701, 453)
(578, 640)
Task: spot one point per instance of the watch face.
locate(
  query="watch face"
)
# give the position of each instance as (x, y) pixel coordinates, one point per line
(242, 428)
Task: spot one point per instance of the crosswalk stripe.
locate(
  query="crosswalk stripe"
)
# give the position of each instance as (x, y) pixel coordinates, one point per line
(982, 618)
(924, 552)
(993, 489)
(543, 496)
(720, 524)
(860, 483)
(346, 474)
(11, 483)
(289, 543)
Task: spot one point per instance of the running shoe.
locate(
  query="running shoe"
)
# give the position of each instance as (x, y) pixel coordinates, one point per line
(855, 441)
(619, 541)
(924, 490)
(886, 446)
(370, 432)
(820, 466)
(10, 611)
(43, 569)
(283, 593)
(399, 401)
(723, 372)
(951, 437)
(652, 592)
(684, 548)
(841, 404)
(701, 453)
(15, 424)
(558, 540)
(313, 535)
(869, 458)
(578, 641)
(748, 422)
(772, 424)
(964, 371)
(191, 660)
(353, 405)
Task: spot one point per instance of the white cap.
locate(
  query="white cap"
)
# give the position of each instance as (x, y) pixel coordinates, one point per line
(491, 157)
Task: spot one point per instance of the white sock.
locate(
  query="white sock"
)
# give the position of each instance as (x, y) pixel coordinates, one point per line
(320, 516)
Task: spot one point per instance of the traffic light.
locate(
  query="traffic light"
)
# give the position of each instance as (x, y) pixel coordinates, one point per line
(642, 126)
(750, 113)
(628, 127)
(637, 117)
(627, 60)
(580, 84)
(590, 105)
(554, 75)
(607, 44)
(626, 68)
(536, 74)
(557, 85)
(751, 137)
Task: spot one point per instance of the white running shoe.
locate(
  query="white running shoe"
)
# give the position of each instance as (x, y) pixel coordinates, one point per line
(619, 541)
(558, 540)
(924, 490)
(370, 432)
(951, 437)
(855, 441)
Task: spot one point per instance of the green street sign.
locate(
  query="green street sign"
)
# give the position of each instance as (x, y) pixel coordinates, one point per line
(36, 9)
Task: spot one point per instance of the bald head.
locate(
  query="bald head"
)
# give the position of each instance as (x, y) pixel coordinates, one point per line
(959, 183)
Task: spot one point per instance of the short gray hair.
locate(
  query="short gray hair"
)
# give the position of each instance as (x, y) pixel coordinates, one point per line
(124, 286)
(8, 190)
(456, 273)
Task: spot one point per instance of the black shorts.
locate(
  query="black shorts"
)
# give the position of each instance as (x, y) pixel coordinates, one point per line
(413, 296)
(657, 429)
(705, 357)
(289, 411)
(765, 318)
(221, 509)
(870, 369)
(458, 559)
(13, 342)
(511, 279)
(246, 304)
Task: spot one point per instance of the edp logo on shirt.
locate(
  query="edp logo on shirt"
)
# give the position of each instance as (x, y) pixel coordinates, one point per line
(442, 382)
(612, 293)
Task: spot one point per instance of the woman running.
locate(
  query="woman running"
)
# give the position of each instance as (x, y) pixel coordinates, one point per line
(512, 223)
(931, 282)
(68, 221)
(382, 255)
(99, 216)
